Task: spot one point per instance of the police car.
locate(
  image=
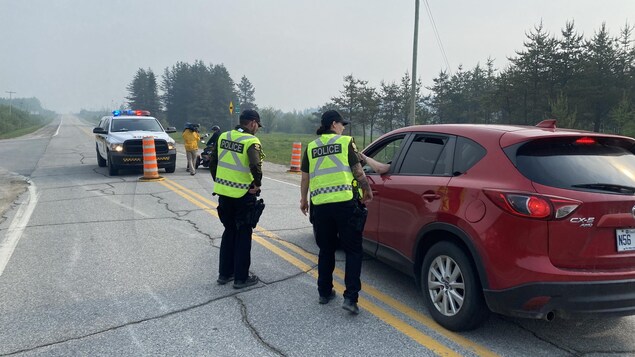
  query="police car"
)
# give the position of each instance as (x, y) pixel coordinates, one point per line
(119, 141)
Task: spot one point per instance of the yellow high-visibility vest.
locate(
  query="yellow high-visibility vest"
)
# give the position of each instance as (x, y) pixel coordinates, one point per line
(330, 175)
(233, 175)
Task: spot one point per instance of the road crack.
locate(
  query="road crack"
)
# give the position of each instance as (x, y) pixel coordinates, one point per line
(254, 331)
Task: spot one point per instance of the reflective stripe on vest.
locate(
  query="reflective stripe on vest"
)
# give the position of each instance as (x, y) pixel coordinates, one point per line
(233, 175)
(329, 172)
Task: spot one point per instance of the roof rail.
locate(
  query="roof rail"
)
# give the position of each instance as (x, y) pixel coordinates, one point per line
(548, 123)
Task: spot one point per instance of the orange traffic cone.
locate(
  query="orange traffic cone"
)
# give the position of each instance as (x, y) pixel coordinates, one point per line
(295, 157)
(150, 166)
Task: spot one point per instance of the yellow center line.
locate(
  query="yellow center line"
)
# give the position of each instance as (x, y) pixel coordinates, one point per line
(403, 327)
(421, 338)
(390, 301)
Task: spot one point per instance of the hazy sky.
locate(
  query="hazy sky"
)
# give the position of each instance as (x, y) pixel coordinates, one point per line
(74, 54)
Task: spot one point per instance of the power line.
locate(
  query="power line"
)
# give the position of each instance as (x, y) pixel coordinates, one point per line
(438, 37)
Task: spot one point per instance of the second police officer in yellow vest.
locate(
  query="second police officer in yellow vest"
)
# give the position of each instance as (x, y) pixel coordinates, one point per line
(236, 166)
(331, 173)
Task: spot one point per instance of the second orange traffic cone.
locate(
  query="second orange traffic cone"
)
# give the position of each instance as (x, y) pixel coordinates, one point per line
(296, 153)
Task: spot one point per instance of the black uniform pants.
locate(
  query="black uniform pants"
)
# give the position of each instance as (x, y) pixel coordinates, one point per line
(235, 246)
(334, 223)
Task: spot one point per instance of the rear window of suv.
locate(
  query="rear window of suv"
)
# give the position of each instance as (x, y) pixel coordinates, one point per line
(579, 163)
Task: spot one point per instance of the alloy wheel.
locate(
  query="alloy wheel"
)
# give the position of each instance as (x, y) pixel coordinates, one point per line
(446, 285)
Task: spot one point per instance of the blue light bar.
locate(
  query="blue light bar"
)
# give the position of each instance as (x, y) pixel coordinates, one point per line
(117, 113)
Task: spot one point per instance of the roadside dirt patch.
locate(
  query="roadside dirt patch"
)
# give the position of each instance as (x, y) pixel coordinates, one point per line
(11, 186)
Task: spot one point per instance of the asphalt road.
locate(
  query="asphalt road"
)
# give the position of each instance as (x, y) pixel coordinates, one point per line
(99, 265)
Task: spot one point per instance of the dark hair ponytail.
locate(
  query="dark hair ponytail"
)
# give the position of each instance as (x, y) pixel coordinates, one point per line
(321, 130)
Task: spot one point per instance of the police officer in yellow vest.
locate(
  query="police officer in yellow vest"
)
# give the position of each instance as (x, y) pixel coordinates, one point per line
(329, 167)
(236, 166)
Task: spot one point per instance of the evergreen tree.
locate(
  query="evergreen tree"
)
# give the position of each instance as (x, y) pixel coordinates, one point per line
(389, 106)
(369, 110)
(348, 101)
(598, 80)
(246, 94)
(223, 89)
(534, 82)
(143, 93)
(199, 94)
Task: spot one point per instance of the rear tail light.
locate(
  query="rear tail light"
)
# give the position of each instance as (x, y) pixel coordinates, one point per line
(531, 205)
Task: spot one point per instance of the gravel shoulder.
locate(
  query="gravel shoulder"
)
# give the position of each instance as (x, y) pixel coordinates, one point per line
(12, 187)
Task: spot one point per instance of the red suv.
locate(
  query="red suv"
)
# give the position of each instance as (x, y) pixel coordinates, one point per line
(533, 222)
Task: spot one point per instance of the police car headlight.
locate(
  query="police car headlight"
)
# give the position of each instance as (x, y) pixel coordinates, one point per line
(116, 147)
(171, 146)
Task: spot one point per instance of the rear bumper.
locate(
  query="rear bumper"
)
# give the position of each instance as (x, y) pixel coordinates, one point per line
(565, 299)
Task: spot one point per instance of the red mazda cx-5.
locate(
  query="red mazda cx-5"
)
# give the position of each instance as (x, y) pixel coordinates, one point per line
(533, 222)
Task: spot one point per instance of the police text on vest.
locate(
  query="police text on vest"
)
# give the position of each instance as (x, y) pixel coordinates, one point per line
(326, 150)
(231, 146)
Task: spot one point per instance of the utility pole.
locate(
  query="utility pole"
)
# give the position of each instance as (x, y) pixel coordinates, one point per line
(413, 90)
(10, 95)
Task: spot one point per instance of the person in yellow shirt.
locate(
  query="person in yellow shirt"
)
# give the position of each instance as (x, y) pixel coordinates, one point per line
(191, 138)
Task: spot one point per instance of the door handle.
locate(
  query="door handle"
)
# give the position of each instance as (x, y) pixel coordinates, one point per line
(431, 196)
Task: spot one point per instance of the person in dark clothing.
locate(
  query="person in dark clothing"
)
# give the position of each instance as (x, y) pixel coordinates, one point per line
(214, 138)
(331, 172)
(236, 166)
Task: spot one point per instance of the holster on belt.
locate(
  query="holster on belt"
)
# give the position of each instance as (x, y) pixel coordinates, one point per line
(360, 212)
(256, 212)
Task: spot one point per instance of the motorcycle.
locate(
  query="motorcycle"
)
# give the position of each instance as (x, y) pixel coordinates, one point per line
(204, 157)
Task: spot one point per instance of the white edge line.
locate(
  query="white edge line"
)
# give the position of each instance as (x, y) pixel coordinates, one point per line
(58, 128)
(284, 182)
(17, 227)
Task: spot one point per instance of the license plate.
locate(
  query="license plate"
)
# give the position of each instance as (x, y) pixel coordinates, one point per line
(625, 239)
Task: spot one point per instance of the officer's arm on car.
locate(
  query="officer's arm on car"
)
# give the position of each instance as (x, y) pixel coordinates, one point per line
(358, 172)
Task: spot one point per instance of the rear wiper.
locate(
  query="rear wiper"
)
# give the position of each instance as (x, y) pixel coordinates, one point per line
(610, 187)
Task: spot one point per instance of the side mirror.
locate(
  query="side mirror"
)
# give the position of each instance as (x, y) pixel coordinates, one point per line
(170, 129)
(99, 130)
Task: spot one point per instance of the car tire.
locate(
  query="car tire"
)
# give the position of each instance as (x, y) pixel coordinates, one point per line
(101, 162)
(451, 289)
(170, 169)
(112, 169)
(198, 162)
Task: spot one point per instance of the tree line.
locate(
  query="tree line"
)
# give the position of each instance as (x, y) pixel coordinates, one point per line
(21, 115)
(584, 83)
(191, 93)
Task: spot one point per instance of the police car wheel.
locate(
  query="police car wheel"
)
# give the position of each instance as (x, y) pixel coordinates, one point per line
(170, 169)
(112, 169)
(101, 162)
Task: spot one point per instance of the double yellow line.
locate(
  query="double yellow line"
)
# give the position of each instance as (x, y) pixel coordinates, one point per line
(274, 243)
